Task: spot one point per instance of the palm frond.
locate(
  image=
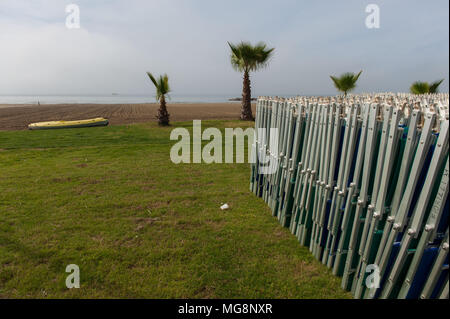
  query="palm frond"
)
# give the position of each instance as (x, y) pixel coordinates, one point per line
(335, 81)
(435, 85)
(419, 87)
(152, 78)
(164, 84)
(357, 76)
(245, 57)
(161, 85)
(346, 82)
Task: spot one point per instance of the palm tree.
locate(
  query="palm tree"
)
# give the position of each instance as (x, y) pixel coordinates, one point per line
(246, 58)
(346, 82)
(162, 88)
(419, 87)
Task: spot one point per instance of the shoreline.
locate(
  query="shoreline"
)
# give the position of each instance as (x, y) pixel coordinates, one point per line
(11, 105)
(7, 105)
(18, 116)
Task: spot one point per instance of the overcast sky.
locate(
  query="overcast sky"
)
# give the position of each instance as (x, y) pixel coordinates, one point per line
(187, 39)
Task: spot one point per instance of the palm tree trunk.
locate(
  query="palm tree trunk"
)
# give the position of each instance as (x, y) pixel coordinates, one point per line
(163, 115)
(246, 111)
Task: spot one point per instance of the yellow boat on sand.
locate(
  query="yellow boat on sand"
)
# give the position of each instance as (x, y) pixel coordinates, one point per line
(99, 121)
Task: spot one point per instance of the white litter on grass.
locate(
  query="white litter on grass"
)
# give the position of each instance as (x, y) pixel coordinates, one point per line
(224, 206)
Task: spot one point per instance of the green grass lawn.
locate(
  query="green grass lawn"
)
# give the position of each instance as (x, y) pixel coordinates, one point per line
(110, 200)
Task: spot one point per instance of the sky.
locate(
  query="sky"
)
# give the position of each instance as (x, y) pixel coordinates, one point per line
(118, 41)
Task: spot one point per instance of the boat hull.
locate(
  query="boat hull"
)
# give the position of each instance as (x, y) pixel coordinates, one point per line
(68, 124)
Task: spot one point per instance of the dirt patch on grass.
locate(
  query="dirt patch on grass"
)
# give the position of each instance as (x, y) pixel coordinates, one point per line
(61, 179)
(143, 222)
(98, 238)
(91, 181)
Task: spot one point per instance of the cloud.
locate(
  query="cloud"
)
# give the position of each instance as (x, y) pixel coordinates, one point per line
(120, 40)
(49, 59)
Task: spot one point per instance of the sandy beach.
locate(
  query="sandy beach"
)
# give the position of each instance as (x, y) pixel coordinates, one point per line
(17, 117)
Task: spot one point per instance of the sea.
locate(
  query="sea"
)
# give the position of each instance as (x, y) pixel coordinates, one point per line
(110, 99)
